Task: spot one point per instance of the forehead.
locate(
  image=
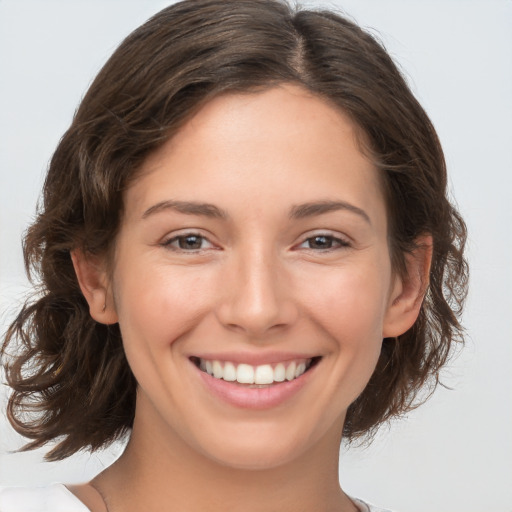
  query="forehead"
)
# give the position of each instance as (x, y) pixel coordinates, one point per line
(281, 145)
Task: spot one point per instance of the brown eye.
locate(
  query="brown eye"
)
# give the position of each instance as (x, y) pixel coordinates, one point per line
(323, 242)
(320, 242)
(188, 242)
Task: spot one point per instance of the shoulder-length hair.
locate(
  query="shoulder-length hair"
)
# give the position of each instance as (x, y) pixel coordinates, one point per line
(70, 378)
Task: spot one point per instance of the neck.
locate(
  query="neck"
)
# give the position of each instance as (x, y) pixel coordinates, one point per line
(159, 472)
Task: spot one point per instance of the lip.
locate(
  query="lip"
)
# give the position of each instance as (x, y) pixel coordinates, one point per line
(253, 398)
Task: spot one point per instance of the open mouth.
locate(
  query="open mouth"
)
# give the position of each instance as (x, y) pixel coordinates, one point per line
(255, 376)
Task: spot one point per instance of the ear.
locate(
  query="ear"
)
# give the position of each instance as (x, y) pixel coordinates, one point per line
(408, 291)
(95, 285)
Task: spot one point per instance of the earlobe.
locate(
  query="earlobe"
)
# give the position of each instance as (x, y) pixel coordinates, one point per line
(409, 290)
(95, 285)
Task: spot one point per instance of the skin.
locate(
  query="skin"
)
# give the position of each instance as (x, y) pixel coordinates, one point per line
(259, 282)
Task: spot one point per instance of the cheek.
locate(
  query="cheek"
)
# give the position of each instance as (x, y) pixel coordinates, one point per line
(350, 308)
(349, 302)
(158, 306)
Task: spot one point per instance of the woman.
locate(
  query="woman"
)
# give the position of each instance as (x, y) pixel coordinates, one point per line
(246, 252)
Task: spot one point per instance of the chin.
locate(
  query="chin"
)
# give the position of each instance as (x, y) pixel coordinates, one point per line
(258, 449)
(254, 459)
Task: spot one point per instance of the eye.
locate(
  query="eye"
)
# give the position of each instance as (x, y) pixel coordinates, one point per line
(323, 242)
(188, 242)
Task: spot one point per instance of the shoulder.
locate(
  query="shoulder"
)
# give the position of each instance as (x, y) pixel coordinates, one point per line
(362, 506)
(50, 498)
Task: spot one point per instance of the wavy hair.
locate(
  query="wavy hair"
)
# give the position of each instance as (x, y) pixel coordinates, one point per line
(70, 378)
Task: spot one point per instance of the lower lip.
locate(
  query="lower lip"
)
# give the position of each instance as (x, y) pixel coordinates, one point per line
(254, 398)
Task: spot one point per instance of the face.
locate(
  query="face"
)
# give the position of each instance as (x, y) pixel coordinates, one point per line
(254, 248)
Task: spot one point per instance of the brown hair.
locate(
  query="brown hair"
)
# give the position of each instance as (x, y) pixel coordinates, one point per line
(70, 373)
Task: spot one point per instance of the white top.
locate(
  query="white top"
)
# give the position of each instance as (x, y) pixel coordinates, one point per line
(58, 498)
(51, 498)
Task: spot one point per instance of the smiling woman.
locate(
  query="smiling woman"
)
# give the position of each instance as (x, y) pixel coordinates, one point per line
(246, 221)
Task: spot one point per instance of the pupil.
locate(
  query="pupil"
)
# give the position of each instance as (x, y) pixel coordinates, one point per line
(190, 242)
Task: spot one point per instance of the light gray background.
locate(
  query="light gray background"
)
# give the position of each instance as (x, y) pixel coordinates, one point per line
(453, 454)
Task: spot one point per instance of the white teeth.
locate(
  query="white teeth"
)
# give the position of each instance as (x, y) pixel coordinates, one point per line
(245, 374)
(279, 372)
(229, 372)
(218, 371)
(301, 368)
(264, 374)
(259, 375)
(290, 371)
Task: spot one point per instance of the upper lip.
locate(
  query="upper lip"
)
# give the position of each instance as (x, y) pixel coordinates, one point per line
(255, 359)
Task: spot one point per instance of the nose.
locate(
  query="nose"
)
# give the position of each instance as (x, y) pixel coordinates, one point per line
(256, 296)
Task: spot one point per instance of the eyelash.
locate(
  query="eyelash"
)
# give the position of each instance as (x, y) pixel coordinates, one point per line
(328, 238)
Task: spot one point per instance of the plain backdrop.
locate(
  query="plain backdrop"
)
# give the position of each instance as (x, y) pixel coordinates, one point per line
(454, 453)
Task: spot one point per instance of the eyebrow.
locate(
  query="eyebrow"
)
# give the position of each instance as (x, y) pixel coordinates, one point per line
(299, 211)
(187, 207)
